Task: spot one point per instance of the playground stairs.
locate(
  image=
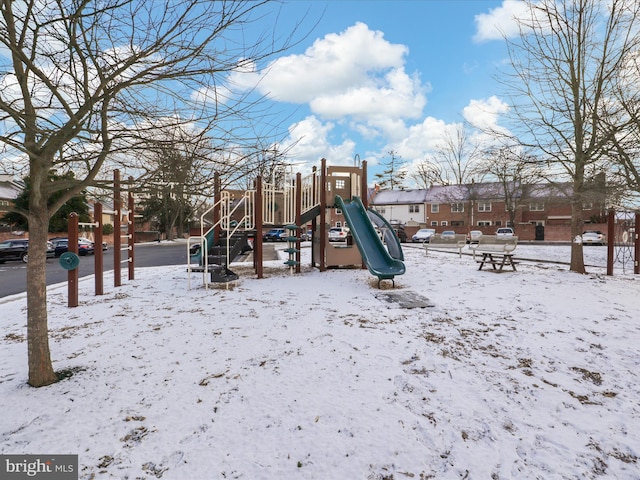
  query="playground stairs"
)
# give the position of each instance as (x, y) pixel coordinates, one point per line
(218, 258)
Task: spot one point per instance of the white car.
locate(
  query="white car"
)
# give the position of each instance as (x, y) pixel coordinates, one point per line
(338, 234)
(423, 235)
(593, 237)
(504, 232)
(474, 236)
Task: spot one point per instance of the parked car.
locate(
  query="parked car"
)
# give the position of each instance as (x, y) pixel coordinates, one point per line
(504, 232)
(273, 235)
(307, 236)
(474, 236)
(338, 234)
(593, 237)
(400, 233)
(18, 249)
(85, 247)
(423, 235)
(448, 234)
(286, 234)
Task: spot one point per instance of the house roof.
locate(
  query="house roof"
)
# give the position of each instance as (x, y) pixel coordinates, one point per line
(9, 188)
(399, 197)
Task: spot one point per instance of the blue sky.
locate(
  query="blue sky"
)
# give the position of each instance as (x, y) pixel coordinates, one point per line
(375, 76)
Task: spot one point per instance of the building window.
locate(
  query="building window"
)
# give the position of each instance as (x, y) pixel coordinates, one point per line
(457, 223)
(435, 208)
(484, 206)
(587, 206)
(434, 223)
(536, 206)
(414, 208)
(457, 207)
(484, 223)
(380, 210)
(498, 223)
(340, 184)
(444, 223)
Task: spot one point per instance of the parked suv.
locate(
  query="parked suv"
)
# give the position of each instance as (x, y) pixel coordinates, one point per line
(18, 249)
(504, 232)
(273, 235)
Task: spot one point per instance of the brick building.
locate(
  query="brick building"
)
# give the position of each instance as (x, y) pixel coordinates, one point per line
(536, 212)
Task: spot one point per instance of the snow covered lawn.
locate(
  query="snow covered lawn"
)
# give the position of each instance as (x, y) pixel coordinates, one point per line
(527, 374)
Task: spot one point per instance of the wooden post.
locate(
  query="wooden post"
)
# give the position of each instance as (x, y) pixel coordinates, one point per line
(117, 233)
(364, 193)
(314, 222)
(131, 229)
(323, 214)
(98, 254)
(611, 240)
(257, 241)
(72, 275)
(217, 211)
(636, 244)
(363, 182)
(298, 217)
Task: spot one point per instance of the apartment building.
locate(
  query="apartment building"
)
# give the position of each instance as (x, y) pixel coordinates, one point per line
(536, 212)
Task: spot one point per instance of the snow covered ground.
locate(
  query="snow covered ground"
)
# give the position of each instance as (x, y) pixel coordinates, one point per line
(527, 374)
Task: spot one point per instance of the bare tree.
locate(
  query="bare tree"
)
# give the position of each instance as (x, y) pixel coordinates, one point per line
(85, 81)
(453, 162)
(429, 172)
(625, 154)
(565, 64)
(514, 170)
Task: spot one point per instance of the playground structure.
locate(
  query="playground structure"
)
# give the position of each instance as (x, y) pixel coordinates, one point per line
(335, 194)
(70, 260)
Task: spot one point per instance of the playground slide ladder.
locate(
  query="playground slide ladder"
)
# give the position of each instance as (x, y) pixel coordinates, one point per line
(292, 247)
(310, 199)
(227, 209)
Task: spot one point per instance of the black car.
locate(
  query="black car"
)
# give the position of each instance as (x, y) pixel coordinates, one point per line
(61, 245)
(18, 249)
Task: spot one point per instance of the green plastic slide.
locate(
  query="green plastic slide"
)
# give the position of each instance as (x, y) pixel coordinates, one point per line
(374, 254)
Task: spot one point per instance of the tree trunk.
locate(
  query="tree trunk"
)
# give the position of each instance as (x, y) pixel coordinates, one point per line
(577, 224)
(39, 357)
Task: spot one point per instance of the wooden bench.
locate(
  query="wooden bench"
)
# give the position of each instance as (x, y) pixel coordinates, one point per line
(496, 251)
(438, 241)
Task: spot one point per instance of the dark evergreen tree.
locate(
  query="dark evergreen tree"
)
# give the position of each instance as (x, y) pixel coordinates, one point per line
(58, 221)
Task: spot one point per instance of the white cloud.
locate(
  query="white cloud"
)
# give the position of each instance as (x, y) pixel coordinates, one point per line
(331, 65)
(484, 114)
(356, 74)
(500, 22)
(313, 143)
(400, 96)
